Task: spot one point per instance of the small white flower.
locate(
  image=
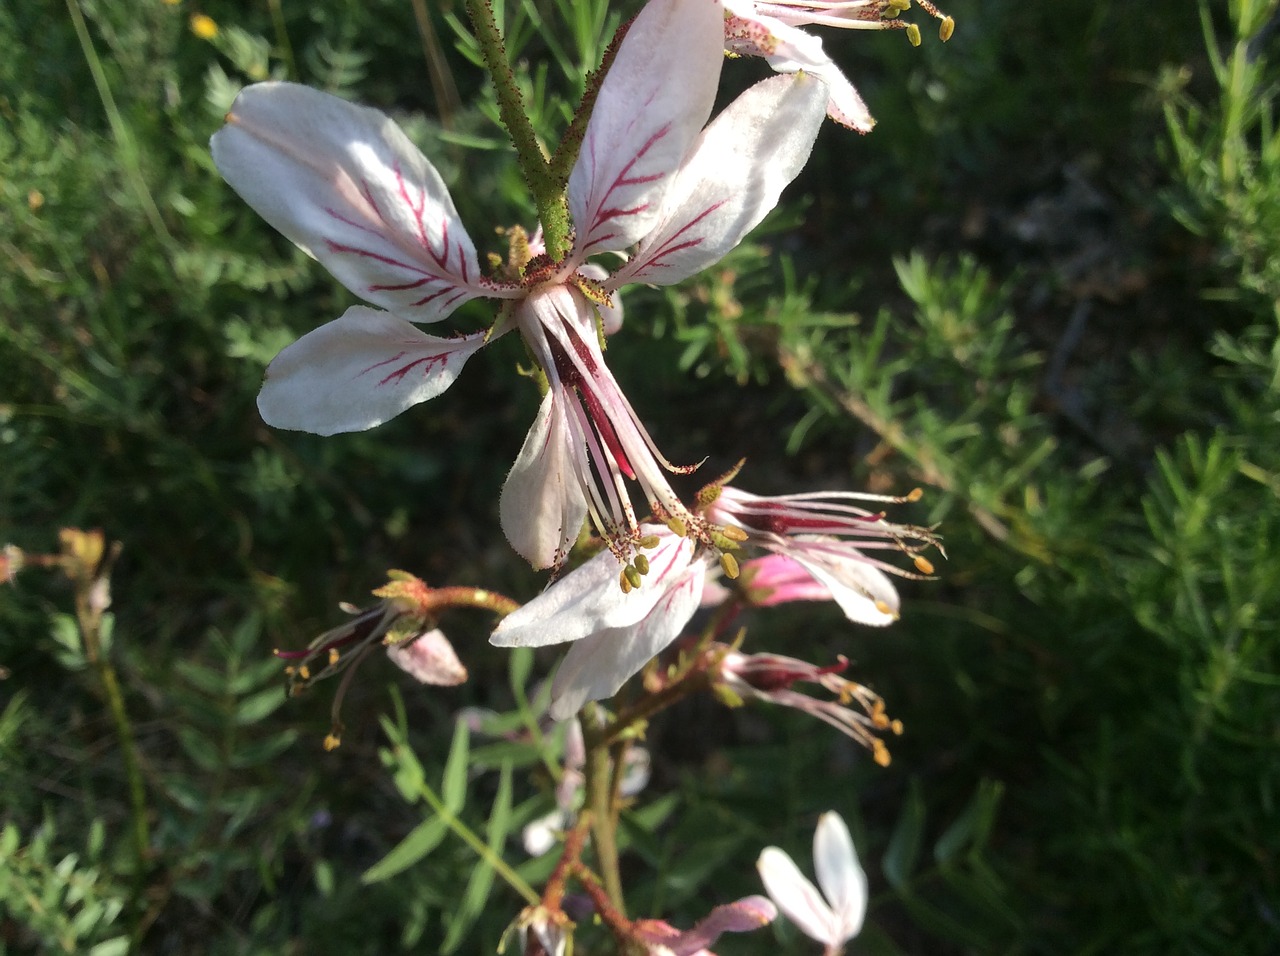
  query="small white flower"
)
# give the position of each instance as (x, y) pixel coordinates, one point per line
(832, 921)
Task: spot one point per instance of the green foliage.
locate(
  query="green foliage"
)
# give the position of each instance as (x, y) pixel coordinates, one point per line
(1089, 689)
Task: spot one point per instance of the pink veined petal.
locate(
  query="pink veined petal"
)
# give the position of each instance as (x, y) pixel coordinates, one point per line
(358, 371)
(855, 585)
(429, 659)
(839, 874)
(344, 183)
(784, 579)
(597, 666)
(589, 599)
(798, 899)
(653, 101)
(542, 505)
(731, 180)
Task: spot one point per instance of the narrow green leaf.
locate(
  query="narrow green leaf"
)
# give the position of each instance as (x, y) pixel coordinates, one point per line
(904, 846)
(453, 788)
(420, 841)
(481, 881)
(970, 829)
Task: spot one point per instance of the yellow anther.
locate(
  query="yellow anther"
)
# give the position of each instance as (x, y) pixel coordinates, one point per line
(730, 565)
(915, 494)
(332, 742)
(734, 533)
(902, 6)
(884, 608)
(632, 576)
(35, 199)
(678, 527)
(641, 564)
(923, 564)
(896, 727)
(946, 28)
(333, 656)
(304, 672)
(623, 582)
(203, 26)
(290, 671)
(880, 753)
(649, 541)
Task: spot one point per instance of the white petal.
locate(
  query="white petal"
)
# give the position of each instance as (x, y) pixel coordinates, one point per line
(789, 49)
(358, 371)
(839, 874)
(542, 506)
(797, 897)
(655, 98)
(344, 183)
(597, 666)
(429, 659)
(731, 181)
(589, 599)
(864, 592)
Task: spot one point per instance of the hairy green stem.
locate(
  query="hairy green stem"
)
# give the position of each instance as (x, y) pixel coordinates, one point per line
(548, 190)
(599, 786)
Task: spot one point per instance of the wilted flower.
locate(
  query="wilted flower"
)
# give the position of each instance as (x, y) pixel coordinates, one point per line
(541, 932)
(837, 919)
(772, 678)
(663, 939)
(403, 622)
(345, 184)
(772, 30)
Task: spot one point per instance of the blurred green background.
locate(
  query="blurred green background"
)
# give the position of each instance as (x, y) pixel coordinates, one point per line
(1044, 289)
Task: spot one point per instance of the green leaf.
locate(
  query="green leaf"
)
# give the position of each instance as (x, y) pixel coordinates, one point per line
(453, 788)
(481, 881)
(904, 846)
(421, 840)
(254, 708)
(970, 829)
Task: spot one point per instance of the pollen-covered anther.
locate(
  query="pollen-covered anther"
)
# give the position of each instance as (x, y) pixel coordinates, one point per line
(896, 727)
(649, 542)
(304, 672)
(678, 527)
(884, 608)
(641, 563)
(915, 494)
(333, 656)
(332, 741)
(624, 581)
(734, 533)
(946, 28)
(923, 564)
(879, 752)
(729, 564)
(913, 34)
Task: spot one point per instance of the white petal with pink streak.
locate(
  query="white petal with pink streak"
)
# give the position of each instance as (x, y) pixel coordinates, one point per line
(731, 180)
(654, 100)
(358, 371)
(344, 183)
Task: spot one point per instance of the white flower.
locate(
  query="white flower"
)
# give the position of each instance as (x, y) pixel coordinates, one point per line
(616, 630)
(345, 184)
(832, 921)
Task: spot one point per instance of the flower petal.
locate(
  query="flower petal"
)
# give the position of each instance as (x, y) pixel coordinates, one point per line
(589, 599)
(788, 49)
(358, 371)
(743, 916)
(864, 592)
(429, 659)
(839, 874)
(542, 506)
(597, 666)
(344, 183)
(797, 897)
(731, 180)
(653, 101)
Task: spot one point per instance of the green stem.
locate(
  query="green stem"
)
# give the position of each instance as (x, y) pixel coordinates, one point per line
(548, 190)
(599, 787)
(481, 848)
